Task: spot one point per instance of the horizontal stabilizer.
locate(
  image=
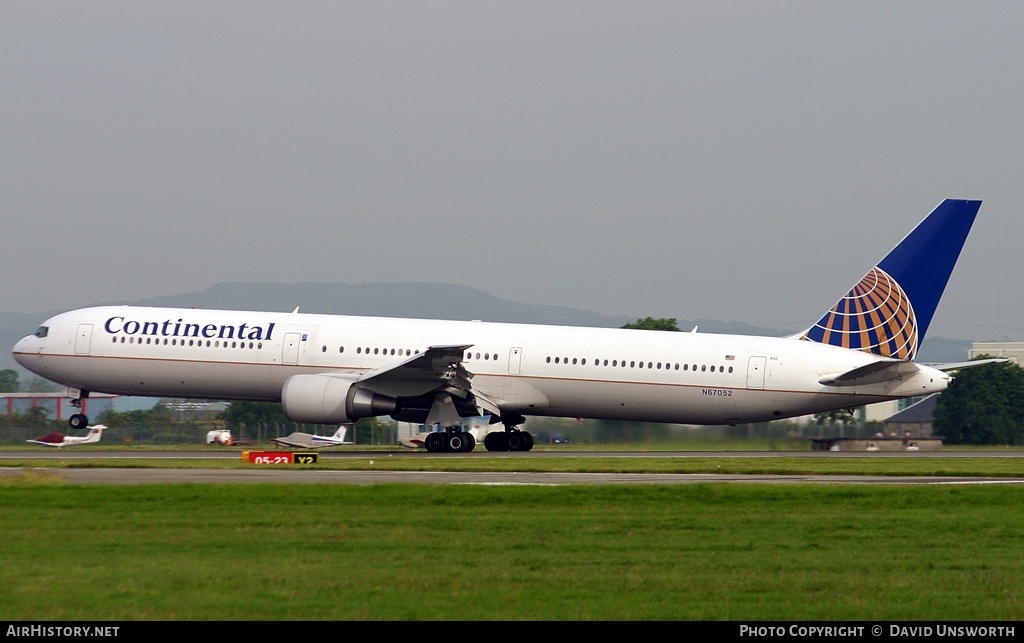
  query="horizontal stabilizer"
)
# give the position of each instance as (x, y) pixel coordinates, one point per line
(949, 368)
(873, 373)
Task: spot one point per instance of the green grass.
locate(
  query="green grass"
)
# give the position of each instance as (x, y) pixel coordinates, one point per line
(707, 551)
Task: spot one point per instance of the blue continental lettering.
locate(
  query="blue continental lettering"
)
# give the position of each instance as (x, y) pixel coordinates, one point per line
(181, 328)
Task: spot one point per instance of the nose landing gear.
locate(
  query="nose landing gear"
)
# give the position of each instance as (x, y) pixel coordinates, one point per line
(78, 420)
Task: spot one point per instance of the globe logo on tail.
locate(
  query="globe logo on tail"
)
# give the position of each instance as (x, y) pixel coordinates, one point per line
(874, 317)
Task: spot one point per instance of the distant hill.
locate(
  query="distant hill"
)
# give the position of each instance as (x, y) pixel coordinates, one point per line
(407, 299)
(423, 300)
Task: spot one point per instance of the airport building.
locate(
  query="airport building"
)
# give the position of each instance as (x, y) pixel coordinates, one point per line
(1013, 351)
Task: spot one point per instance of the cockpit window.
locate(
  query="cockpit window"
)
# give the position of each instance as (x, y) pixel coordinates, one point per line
(43, 331)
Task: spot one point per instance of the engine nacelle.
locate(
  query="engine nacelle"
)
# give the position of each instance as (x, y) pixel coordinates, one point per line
(325, 399)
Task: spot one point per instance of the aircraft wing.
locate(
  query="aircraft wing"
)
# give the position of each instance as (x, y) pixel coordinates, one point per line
(435, 368)
(46, 444)
(53, 439)
(295, 440)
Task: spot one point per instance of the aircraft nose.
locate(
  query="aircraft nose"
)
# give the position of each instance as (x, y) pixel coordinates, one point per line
(25, 348)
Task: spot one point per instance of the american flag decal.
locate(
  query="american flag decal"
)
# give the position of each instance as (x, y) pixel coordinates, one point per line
(729, 358)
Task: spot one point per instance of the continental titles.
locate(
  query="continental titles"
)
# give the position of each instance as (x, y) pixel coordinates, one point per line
(181, 328)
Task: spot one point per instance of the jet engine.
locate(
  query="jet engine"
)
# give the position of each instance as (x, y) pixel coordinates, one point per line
(327, 399)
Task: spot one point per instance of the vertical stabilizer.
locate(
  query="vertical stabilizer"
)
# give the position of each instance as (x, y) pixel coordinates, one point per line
(888, 312)
(95, 433)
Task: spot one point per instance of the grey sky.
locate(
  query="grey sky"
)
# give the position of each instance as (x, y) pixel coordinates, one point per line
(740, 161)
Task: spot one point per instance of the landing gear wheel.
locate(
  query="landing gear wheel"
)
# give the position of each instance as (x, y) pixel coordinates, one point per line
(520, 441)
(435, 443)
(527, 441)
(78, 421)
(496, 441)
(457, 441)
(470, 442)
(515, 441)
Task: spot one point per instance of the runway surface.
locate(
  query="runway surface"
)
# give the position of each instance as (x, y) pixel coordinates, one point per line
(285, 476)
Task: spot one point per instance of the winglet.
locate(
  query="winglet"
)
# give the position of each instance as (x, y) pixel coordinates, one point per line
(888, 312)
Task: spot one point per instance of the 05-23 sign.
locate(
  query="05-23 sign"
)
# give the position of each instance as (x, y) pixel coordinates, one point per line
(272, 457)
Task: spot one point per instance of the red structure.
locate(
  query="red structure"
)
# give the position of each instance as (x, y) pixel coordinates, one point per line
(60, 400)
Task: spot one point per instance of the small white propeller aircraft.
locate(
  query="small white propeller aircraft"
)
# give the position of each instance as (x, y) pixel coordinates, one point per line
(57, 439)
(310, 441)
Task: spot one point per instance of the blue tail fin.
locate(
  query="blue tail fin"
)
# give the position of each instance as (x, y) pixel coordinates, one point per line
(889, 311)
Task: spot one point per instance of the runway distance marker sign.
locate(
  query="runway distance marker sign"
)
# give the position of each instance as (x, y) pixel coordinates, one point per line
(279, 457)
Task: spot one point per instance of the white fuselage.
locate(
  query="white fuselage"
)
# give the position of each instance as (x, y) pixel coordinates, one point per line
(561, 371)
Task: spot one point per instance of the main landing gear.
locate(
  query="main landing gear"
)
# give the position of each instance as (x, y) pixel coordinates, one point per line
(511, 439)
(454, 439)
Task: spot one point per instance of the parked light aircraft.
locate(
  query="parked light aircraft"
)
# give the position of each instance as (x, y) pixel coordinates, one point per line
(60, 440)
(330, 369)
(309, 441)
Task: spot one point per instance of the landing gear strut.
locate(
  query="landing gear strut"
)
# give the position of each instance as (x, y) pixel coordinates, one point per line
(78, 420)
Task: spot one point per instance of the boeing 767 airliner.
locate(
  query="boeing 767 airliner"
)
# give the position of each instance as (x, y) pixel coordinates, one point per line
(329, 369)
